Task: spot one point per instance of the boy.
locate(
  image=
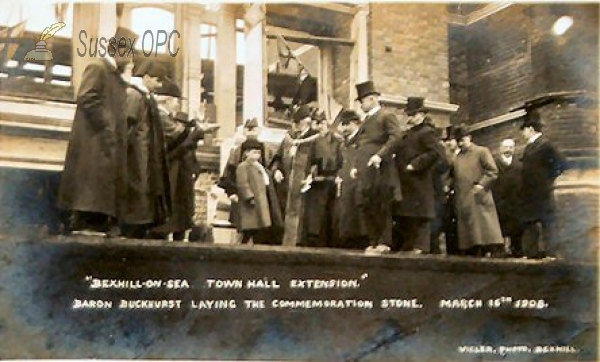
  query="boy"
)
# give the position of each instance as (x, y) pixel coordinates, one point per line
(257, 201)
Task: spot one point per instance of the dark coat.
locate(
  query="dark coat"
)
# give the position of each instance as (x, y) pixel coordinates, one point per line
(475, 209)
(542, 164)
(326, 160)
(251, 186)
(95, 165)
(183, 166)
(350, 221)
(148, 188)
(421, 149)
(507, 194)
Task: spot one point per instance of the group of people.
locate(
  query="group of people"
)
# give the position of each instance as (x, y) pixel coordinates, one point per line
(366, 181)
(130, 165)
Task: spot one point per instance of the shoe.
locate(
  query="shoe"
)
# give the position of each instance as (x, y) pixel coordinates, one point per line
(370, 250)
(382, 249)
(417, 251)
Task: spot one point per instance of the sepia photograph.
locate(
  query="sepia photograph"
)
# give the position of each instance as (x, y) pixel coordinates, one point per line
(299, 181)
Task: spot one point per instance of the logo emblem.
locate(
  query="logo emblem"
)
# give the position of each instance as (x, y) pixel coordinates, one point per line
(40, 52)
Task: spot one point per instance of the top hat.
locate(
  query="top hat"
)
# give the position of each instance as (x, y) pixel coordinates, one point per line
(251, 123)
(532, 119)
(169, 88)
(302, 112)
(365, 89)
(347, 116)
(414, 105)
(460, 132)
(181, 117)
(251, 144)
(152, 69)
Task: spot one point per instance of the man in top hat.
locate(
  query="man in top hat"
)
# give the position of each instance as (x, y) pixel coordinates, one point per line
(416, 159)
(181, 137)
(507, 194)
(378, 137)
(474, 171)
(321, 190)
(148, 201)
(92, 183)
(290, 166)
(542, 164)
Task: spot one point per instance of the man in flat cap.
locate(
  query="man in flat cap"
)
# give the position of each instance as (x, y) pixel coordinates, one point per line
(416, 159)
(542, 164)
(93, 181)
(378, 137)
(148, 201)
(290, 166)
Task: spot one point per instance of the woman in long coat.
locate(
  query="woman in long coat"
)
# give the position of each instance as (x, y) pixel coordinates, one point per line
(474, 170)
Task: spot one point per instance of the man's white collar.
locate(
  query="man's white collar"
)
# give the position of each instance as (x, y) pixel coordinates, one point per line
(534, 137)
(373, 111)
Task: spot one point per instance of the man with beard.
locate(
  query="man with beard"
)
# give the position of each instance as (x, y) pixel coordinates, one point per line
(377, 139)
(416, 159)
(506, 190)
(92, 183)
(148, 201)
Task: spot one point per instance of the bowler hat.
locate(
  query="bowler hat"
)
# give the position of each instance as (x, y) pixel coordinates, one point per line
(302, 112)
(152, 69)
(347, 116)
(450, 130)
(169, 88)
(532, 119)
(251, 144)
(181, 117)
(460, 132)
(365, 89)
(414, 105)
(251, 123)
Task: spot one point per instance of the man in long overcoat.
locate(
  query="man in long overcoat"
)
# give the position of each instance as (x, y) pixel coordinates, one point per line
(542, 164)
(148, 201)
(320, 198)
(474, 171)
(351, 229)
(93, 181)
(416, 159)
(507, 192)
(290, 166)
(378, 137)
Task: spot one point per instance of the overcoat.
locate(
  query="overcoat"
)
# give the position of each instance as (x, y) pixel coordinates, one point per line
(148, 188)
(507, 194)
(95, 165)
(475, 209)
(183, 165)
(542, 164)
(350, 221)
(421, 149)
(320, 198)
(265, 212)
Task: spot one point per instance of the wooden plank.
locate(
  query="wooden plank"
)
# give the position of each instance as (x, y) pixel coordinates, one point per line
(294, 211)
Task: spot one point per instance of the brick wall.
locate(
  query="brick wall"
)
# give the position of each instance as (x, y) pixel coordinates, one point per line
(512, 57)
(409, 50)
